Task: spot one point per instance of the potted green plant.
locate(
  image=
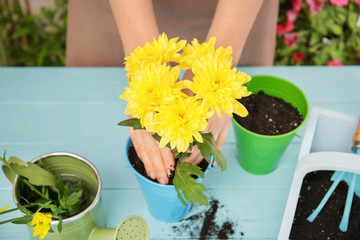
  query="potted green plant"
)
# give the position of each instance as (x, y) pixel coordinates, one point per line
(158, 104)
(277, 109)
(59, 195)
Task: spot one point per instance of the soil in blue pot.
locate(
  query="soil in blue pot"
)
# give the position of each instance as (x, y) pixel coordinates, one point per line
(138, 165)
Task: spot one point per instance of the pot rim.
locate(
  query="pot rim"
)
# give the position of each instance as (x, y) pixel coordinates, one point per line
(292, 132)
(78, 157)
(129, 144)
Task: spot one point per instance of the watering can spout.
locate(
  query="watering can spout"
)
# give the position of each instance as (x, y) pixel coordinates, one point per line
(131, 227)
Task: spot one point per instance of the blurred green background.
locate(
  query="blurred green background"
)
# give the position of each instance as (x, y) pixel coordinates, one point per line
(37, 37)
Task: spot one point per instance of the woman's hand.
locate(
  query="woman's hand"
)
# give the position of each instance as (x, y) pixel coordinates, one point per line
(219, 127)
(158, 162)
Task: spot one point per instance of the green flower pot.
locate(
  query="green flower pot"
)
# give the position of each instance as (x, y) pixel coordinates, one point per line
(260, 154)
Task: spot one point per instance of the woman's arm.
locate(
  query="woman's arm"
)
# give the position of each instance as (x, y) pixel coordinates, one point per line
(136, 24)
(231, 26)
(232, 23)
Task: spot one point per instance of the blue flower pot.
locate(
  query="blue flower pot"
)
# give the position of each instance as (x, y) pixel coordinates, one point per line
(162, 200)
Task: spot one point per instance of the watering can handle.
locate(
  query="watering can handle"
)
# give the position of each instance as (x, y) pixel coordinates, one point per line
(356, 138)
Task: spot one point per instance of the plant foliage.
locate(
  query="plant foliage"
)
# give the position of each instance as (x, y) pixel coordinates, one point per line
(32, 39)
(322, 32)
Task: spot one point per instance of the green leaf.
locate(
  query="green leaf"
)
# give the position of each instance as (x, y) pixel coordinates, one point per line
(60, 225)
(314, 38)
(22, 220)
(336, 29)
(131, 122)
(71, 199)
(35, 174)
(208, 147)
(182, 156)
(24, 210)
(20, 32)
(185, 184)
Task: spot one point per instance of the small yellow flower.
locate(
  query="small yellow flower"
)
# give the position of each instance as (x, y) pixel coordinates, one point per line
(161, 51)
(149, 89)
(181, 120)
(196, 52)
(42, 224)
(218, 86)
(4, 209)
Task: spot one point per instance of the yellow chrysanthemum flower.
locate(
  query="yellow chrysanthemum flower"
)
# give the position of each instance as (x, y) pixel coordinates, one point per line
(196, 52)
(149, 89)
(181, 120)
(160, 51)
(4, 209)
(219, 85)
(42, 224)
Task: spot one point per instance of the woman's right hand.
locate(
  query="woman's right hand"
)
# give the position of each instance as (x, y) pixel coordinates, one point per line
(158, 162)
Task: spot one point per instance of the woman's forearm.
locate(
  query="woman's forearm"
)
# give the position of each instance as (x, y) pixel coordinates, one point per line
(136, 22)
(232, 23)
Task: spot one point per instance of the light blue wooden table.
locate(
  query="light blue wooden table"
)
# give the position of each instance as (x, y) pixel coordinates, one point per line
(76, 110)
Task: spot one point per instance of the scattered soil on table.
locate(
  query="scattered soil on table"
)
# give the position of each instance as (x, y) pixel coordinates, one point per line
(139, 166)
(326, 224)
(205, 225)
(269, 115)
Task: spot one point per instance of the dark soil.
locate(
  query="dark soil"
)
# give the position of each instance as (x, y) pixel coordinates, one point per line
(139, 166)
(204, 225)
(269, 115)
(326, 224)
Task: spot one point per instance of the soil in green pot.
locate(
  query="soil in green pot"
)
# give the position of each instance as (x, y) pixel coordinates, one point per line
(268, 115)
(326, 224)
(138, 165)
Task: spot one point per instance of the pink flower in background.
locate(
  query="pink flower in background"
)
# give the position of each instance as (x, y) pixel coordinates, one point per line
(298, 56)
(357, 2)
(291, 15)
(335, 63)
(296, 5)
(290, 39)
(315, 6)
(284, 27)
(340, 3)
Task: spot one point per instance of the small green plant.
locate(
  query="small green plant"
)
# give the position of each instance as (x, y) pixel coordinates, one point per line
(32, 39)
(43, 197)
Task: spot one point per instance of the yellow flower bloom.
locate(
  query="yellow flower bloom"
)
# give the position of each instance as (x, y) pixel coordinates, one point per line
(181, 120)
(4, 209)
(42, 224)
(219, 85)
(160, 51)
(196, 52)
(149, 89)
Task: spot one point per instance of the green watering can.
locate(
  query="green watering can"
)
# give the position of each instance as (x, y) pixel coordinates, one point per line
(90, 223)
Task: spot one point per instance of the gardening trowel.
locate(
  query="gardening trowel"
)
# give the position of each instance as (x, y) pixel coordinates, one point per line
(353, 180)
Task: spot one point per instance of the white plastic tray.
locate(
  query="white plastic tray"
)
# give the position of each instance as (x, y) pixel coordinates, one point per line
(326, 145)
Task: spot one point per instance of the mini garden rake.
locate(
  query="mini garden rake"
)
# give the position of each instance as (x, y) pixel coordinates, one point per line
(353, 180)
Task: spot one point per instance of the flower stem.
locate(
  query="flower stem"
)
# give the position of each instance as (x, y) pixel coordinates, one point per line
(34, 189)
(10, 220)
(10, 210)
